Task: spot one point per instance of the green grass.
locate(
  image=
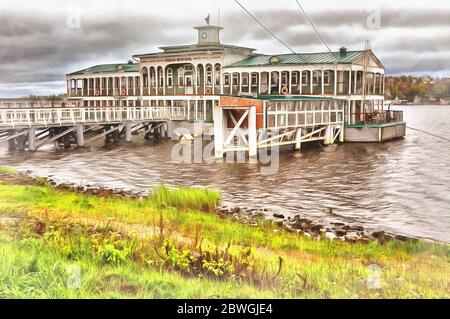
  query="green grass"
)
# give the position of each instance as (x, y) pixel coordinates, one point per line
(7, 170)
(185, 198)
(121, 247)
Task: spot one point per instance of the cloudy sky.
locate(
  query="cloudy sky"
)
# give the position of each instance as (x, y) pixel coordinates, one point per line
(41, 41)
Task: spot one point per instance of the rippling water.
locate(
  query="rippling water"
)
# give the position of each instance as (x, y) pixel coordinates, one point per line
(402, 186)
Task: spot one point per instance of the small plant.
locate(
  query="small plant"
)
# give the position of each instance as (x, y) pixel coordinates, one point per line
(185, 198)
(110, 254)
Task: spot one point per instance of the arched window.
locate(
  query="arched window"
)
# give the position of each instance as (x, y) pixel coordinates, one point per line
(181, 76)
(152, 77)
(217, 74)
(145, 76)
(169, 77)
(208, 74)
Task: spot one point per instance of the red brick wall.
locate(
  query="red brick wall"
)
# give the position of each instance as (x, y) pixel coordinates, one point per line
(229, 101)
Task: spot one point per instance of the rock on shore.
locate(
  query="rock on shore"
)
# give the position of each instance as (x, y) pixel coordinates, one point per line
(309, 227)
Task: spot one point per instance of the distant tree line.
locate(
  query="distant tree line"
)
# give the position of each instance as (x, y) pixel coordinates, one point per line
(417, 89)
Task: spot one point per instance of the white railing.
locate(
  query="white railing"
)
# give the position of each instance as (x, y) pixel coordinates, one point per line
(68, 116)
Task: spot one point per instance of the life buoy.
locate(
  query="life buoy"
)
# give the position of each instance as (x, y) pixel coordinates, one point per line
(124, 92)
(208, 91)
(97, 93)
(284, 90)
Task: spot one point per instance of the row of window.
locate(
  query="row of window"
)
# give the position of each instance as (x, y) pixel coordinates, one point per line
(184, 76)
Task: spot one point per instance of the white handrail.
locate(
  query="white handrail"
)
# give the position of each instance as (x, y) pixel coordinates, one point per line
(41, 116)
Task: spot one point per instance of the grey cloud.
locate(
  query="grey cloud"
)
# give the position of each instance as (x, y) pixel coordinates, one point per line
(41, 48)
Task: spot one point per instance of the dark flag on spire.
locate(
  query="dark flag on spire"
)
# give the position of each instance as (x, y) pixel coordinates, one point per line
(207, 19)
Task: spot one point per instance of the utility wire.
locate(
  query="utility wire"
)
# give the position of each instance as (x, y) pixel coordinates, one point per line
(314, 27)
(265, 28)
(428, 133)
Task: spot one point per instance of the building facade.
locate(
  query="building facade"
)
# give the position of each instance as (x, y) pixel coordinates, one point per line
(195, 76)
(307, 90)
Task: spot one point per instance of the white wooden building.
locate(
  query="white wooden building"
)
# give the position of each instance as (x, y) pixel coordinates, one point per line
(200, 77)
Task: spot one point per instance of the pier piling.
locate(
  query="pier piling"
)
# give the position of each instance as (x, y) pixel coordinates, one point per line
(32, 139)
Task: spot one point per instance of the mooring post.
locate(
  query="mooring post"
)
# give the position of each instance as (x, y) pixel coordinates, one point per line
(80, 134)
(298, 139)
(32, 139)
(252, 144)
(128, 132)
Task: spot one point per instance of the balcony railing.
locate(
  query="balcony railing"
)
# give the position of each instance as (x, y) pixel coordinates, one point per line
(376, 117)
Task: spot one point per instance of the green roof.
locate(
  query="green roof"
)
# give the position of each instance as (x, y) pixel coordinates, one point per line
(300, 58)
(109, 68)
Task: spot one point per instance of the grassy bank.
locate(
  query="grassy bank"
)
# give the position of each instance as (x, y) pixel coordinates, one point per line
(171, 244)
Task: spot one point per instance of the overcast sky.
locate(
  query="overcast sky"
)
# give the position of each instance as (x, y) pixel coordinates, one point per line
(41, 41)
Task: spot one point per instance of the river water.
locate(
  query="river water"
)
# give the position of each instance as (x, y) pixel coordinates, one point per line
(401, 186)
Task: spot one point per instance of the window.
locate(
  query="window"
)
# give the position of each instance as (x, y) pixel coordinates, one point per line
(294, 78)
(316, 77)
(284, 78)
(152, 77)
(255, 79)
(327, 78)
(226, 79)
(235, 78)
(169, 77)
(217, 75)
(180, 76)
(305, 78)
(245, 79)
(208, 75)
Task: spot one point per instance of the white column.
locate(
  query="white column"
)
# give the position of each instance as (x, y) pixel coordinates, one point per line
(290, 82)
(204, 80)
(157, 80)
(335, 80)
(164, 80)
(311, 81)
(213, 80)
(270, 83)
(323, 82)
(350, 83)
(259, 82)
(95, 86)
(300, 80)
(252, 144)
(221, 80)
(240, 82)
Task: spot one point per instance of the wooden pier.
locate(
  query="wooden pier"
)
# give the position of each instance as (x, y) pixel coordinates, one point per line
(33, 128)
